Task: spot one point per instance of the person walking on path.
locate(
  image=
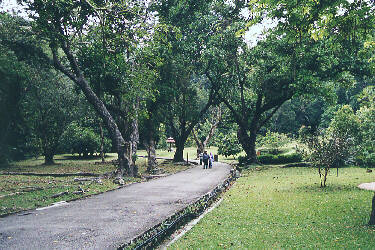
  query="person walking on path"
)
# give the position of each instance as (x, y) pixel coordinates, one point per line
(211, 160)
(205, 160)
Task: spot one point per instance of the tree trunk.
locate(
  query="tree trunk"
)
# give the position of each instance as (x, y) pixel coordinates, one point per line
(372, 216)
(201, 148)
(48, 158)
(200, 145)
(320, 176)
(151, 153)
(124, 167)
(134, 139)
(101, 141)
(325, 177)
(248, 143)
(179, 154)
(100, 108)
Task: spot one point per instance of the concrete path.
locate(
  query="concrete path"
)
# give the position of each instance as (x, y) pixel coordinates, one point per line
(367, 186)
(108, 220)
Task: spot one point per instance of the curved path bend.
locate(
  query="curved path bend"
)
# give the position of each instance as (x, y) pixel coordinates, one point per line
(108, 220)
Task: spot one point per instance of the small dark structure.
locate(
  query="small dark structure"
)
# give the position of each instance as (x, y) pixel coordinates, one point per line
(170, 140)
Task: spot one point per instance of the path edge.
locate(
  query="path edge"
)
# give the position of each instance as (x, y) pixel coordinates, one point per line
(156, 235)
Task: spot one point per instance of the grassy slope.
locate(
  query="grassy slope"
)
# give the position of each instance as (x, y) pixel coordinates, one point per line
(285, 208)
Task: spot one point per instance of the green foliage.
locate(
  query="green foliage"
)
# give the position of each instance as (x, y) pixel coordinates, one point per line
(331, 150)
(366, 117)
(345, 123)
(14, 76)
(228, 144)
(273, 141)
(83, 141)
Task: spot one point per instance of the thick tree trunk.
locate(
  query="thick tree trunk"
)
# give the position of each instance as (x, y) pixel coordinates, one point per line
(248, 143)
(151, 153)
(200, 145)
(124, 167)
(48, 158)
(76, 76)
(179, 154)
(201, 148)
(134, 138)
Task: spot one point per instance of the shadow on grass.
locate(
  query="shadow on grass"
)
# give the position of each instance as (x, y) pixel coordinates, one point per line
(77, 157)
(330, 188)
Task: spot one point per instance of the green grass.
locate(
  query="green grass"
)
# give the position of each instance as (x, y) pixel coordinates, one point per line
(15, 194)
(286, 208)
(64, 163)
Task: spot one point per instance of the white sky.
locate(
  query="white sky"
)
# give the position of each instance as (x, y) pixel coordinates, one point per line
(253, 35)
(11, 6)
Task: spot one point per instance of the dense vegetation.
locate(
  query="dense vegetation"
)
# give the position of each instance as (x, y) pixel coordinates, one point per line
(94, 77)
(86, 86)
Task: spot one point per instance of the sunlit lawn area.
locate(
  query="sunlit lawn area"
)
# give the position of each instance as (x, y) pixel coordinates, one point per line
(285, 208)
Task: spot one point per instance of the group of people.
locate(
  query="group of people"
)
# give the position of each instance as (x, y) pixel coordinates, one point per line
(206, 159)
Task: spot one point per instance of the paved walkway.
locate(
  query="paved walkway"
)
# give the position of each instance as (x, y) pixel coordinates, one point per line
(108, 220)
(367, 186)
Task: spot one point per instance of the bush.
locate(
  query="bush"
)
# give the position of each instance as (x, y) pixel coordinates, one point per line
(229, 145)
(365, 159)
(81, 140)
(272, 159)
(243, 160)
(279, 159)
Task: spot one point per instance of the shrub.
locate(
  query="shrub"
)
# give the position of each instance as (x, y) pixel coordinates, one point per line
(243, 160)
(228, 144)
(81, 140)
(272, 159)
(365, 159)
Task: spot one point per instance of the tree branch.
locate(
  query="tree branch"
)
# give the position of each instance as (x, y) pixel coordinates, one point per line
(269, 116)
(225, 101)
(213, 127)
(195, 137)
(58, 65)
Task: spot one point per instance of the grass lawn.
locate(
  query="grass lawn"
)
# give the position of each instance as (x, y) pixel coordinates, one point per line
(285, 208)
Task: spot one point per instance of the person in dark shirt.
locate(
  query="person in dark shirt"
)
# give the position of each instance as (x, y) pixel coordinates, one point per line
(205, 160)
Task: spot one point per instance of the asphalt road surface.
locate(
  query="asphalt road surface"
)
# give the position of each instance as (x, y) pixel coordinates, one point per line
(108, 220)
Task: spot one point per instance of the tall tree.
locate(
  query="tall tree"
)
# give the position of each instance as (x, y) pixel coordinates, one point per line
(254, 82)
(14, 76)
(185, 93)
(49, 106)
(62, 23)
(203, 133)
